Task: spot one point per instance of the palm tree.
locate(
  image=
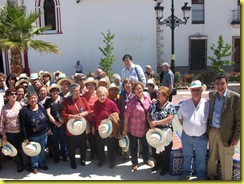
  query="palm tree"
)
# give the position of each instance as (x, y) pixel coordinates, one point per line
(17, 30)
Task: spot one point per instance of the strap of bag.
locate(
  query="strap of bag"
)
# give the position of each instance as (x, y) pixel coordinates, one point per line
(137, 74)
(142, 107)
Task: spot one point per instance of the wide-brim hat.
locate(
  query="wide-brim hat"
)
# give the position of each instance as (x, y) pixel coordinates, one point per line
(156, 137)
(65, 79)
(31, 149)
(74, 76)
(57, 72)
(21, 81)
(34, 76)
(105, 129)
(46, 73)
(124, 143)
(104, 80)
(53, 86)
(113, 86)
(91, 80)
(197, 84)
(151, 81)
(22, 76)
(76, 127)
(9, 150)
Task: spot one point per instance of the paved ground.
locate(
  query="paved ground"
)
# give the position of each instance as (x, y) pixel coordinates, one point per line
(122, 171)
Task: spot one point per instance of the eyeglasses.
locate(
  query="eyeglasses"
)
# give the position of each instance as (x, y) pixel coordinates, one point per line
(54, 90)
(12, 94)
(82, 79)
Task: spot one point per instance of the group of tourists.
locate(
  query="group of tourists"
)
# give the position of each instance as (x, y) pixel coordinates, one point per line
(129, 115)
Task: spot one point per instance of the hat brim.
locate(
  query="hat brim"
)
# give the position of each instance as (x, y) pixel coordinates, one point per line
(70, 127)
(21, 81)
(204, 87)
(57, 72)
(105, 82)
(65, 79)
(14, 150)
(157, 144)
(53, 87)
(92, 81)
(125, 149)
(38, 150)
(106, 121)
(46, 73)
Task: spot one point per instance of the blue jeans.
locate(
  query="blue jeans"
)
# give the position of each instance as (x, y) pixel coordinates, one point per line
(39, 160)
(59, 138)
(133, 149)
(194, 145)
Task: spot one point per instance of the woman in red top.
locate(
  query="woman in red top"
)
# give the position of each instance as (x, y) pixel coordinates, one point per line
(103, 108)
(91, 98)
(75, 107)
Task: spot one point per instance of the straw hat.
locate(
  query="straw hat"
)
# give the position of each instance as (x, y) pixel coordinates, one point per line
(155, 137)
(104, 80)
(105, 128)
(57, 72)
(31, 149)
(76, 127)
(91, 80)
(151, 81)
(22, 76)
(64, 79)
(46, 73)
(40, 72)
(197, 84)
(33, 76)
(9, 150)
(21, 81)
(53, 86)
(124, 143)
(113, 86)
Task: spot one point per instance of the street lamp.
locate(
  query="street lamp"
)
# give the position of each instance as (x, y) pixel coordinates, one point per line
(172, 21)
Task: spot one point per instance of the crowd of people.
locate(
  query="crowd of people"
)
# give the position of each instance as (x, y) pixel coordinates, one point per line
(129, 114)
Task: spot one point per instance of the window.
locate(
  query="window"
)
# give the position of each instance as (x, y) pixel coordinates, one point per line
(50, 15)
(197, 11)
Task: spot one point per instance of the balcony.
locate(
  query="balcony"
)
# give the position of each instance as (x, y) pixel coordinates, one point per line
(235, 17)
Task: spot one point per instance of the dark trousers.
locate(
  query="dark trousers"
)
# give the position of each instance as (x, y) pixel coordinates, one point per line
(21, 159)
(59, 138)
(76, 141)
(110, 142)
(93, 144)
(163, 159)
(134, 147)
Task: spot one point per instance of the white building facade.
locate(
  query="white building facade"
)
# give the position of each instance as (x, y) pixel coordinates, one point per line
(77, 26)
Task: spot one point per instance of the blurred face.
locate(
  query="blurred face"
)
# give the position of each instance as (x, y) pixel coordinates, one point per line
(148, 70)
(65, 85)
(150, 87)
(46, 78)
(43, 92)
(102, 83)
(11, 81)
(99, 72)
(161, 96)
(32, 100)
(80, 81)
(127, 62)
(75, 92)
(90, 86)
(113, 92)
(128, 87)
(37, 85)
(165, 68)
(20, 93)
(139, 90)
(2, 82)
(54, 93)
(220, 85)
(196, 92)
(12, 96)
(101, 97)
(117, 82)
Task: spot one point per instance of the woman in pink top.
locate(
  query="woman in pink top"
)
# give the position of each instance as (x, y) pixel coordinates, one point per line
(10, 126)
(136, 124)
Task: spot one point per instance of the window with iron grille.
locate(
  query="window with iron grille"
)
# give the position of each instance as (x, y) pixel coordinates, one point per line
(197, 11)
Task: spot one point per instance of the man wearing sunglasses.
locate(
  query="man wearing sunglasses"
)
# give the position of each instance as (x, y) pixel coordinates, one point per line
(193, 115)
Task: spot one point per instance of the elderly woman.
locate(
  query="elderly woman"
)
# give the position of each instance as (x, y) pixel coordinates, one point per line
(91, 98)
(65, 84)
(117, 81)
(75, 107)
(160, 115)
(152, 89)
(80, 79)
(103, 108)
(135, 123)
(34, 127)
(42, 93)
(10, 127)
(54, 108)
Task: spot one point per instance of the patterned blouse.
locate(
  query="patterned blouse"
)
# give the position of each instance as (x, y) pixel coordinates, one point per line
(161, 113)
(9, 119)
(138, 124)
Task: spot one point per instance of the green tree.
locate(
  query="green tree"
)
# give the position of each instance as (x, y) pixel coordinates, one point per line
(108, 60)
(222, 51)
(17, 30)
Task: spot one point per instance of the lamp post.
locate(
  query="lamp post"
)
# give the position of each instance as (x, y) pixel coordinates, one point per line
(172, 21)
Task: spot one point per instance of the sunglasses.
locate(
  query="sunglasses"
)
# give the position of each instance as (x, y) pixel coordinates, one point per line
(54, 90)
(12, 94)
(82, 79)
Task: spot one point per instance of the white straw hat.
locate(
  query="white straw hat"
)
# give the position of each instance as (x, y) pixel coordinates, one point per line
(76, 127)
(53, 86)
(105, 128)
(9, 150)
(124, 143)
(155, 137)
(197, 84)
(31, 149)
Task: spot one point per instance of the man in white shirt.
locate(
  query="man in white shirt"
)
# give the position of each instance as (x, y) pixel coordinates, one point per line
(193, 115)
(135, 72)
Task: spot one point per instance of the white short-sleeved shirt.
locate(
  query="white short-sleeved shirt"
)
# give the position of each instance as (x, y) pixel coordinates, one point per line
(194, 118)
